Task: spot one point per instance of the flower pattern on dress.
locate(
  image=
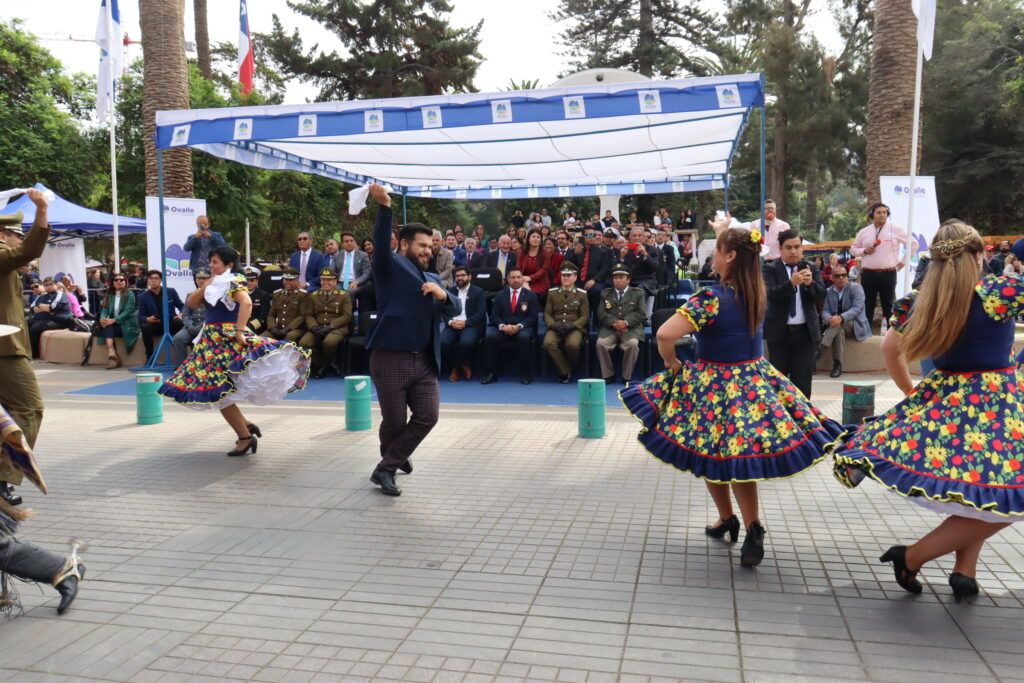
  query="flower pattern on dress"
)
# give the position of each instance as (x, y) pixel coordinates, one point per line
(701, 309)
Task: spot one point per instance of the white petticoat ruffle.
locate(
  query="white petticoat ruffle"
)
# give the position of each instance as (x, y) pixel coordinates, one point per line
(265, 380)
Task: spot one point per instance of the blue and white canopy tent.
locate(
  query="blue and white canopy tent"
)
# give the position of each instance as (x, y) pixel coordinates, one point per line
(68, 220)
(644, 137)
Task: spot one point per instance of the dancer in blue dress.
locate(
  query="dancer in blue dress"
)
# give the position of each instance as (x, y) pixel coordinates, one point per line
(954, 444)
(229, 363)
(729, 418)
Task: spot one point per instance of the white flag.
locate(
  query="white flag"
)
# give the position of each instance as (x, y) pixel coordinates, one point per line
(924, 10)
(111, 57)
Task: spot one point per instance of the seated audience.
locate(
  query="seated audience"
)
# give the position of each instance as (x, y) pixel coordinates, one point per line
(533, 262)
(513, 322)
(51, 312)
(286, 319)
(193, 319)
(260, 300)
(566, 315)
(328, 318)
(463, 332)
(620, 316)
(118, 318)
(151, 310)
(844, 316)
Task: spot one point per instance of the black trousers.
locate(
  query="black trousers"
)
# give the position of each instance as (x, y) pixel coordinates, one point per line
(794, 357)
(878, 285)
(29, 561)
(150, 330)
(521, 340)
(405, 381)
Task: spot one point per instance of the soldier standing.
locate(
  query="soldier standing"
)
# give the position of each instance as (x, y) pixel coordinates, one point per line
(286, 319)
(328, 319)
(621, 315)
(19, 390)
(260, 300)
(566, 314)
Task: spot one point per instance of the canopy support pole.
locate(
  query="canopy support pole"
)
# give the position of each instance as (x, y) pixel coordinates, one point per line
(764, 123)
(165, 341)
(907, 279)
(405, 217)
(248, 253)
(112, 112)
(726, 191)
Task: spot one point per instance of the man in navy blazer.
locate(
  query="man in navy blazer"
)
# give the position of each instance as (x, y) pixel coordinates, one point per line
(406, 341)
(513, 321)
(313, 260)
(151, 310)
(462, 332)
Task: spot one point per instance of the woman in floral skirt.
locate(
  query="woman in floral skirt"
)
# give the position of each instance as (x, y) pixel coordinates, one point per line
(729, 418)
(230, 364)
(954, 444)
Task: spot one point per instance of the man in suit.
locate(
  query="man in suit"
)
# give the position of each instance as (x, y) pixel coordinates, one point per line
(502, 258)
(566, 315)
(621, 316)
(844, 316)
(595, 264)
(474, 259)
(328, 316)
(151, 310)
(462, 332)
(352, 268)
(792, 326)
(441, 259)
(513, 321)
(405, 343)
(307, 262)
(286, 319)
(52, 311)
(260, 301)
(19, 389)
(201, 244)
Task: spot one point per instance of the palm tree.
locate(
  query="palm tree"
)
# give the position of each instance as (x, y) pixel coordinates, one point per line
(202, 39)
(891, 92)
(165, 74)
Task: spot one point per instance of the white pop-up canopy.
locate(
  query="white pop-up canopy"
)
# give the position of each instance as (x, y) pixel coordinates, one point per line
(621, 138)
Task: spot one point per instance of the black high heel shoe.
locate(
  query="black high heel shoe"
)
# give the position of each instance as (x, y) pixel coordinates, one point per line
(904, 577)
(253, 429)
(752, 551)
(730, 526)
(250, 445)
(963, 586)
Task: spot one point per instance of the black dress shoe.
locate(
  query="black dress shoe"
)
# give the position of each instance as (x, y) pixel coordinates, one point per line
(963, 586)
(406, 466)
(729, 526)
(609, 380)
(491, 378)
(68, 587)
(8, 494)
(564, 379)
(837, 369)
(385, 479)
(526, 380)
(321, 373)
(904, 577)
(752, 551)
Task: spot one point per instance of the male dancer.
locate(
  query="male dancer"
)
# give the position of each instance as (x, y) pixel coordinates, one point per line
(405, 343)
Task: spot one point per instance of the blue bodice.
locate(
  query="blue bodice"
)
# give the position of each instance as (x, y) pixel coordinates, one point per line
(220, 314)
(726, 338)
(986, 344)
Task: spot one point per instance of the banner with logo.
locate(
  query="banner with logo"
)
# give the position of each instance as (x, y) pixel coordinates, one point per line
(179, 224)
(896, 195)
(66, 257)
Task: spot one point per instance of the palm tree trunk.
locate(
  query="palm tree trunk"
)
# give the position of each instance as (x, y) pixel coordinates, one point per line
(891, 93)
(165, 73)
(202, 38)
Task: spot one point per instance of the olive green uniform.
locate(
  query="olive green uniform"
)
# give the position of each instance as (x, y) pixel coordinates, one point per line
(631, 307)
(19, 390)
(566, 314)
(288, 311)
(327, 320)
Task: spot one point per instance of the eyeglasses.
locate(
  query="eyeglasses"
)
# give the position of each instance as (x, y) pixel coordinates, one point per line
(839, 275)
(116, 279)
(303, 239)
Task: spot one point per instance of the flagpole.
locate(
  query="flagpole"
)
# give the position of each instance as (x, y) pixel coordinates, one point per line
(248, 258)
(907, 281)
(111, 129)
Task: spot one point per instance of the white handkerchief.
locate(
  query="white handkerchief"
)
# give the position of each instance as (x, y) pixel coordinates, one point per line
(219, 289)
(5, 195)
(357, 198)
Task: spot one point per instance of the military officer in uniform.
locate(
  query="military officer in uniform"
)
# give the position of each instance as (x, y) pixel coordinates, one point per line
(327, 321)
(566, 314)
(621, 316)
(19, 390)
(260, 301)
(286, 318)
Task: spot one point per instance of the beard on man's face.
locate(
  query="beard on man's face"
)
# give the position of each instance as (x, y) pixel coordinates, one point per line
(409, 254)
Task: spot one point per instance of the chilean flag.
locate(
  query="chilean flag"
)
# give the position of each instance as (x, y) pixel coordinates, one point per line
(246, 63)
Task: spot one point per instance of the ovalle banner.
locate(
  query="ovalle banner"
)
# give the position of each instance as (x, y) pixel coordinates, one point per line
(179, 223)
(896, 195)
(66, 257)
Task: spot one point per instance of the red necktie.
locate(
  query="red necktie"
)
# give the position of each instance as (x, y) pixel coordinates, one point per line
(515, 300)
(586, 264)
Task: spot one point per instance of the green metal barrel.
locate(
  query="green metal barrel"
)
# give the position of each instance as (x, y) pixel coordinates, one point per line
(149, 405)
(358, 389)
(858, 401)
(592, 406)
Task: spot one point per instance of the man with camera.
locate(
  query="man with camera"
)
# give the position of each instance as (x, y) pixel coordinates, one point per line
(201, 244)
(792, 325)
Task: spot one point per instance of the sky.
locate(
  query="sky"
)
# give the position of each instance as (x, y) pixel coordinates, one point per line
(518, 40)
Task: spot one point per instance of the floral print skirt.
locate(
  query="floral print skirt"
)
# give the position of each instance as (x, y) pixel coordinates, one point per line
(729, 422)
(953, 445)
(220, 371)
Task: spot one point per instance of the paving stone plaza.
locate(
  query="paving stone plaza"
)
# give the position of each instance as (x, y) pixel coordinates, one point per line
(517, 552)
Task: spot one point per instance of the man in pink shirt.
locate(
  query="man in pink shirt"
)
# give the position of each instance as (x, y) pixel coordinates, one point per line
(776, 226)
(879, 247)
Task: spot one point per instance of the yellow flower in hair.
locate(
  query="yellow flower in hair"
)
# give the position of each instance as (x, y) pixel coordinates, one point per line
(755, 236)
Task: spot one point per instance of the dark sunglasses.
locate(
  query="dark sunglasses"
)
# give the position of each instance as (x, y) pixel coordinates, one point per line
(835, 275)
(118, 279)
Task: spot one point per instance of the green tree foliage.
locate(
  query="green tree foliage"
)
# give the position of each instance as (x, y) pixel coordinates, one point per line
(42, 140)
(973, 139)
(393, 48)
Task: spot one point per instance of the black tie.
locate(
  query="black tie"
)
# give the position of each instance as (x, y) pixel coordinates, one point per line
(796, 294)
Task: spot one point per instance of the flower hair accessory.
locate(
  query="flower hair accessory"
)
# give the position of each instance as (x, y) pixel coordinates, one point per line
(756, 237)
(945, 247)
